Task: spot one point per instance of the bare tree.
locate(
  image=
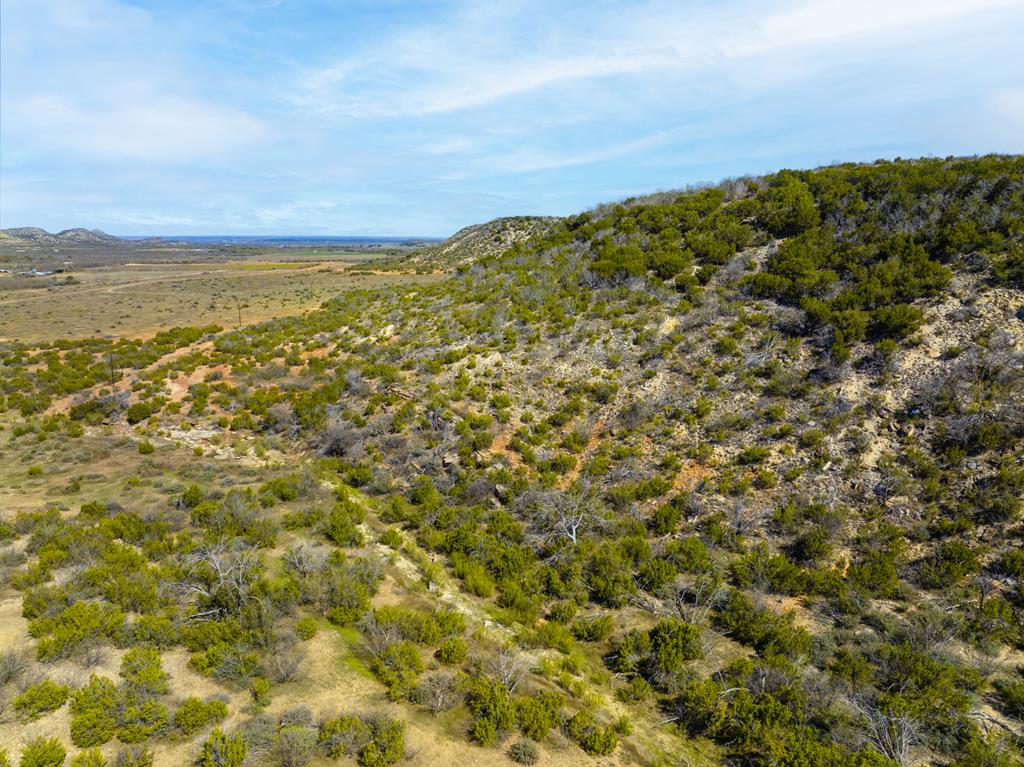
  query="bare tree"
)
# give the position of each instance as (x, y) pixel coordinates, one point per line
(281, 419)
(509, 666)
(284, 658)
(341, 438)
(14, 662)
(928, 630)
(355, 383)
(438, 692)
(305, 560)
(695, 601)
(566, 514)
(221, 578)
(743, 519)
(378, 636)
(437, 418)
(890, 733)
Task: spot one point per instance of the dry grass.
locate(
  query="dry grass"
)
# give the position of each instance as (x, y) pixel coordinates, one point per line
(139, 300)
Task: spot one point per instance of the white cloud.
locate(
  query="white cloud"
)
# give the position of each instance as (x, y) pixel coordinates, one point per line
(171, 128)
(102, 79)
(821, 22)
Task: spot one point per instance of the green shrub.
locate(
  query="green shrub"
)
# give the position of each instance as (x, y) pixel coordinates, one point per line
(282, 488)
(39, 698)
(143, 673)
(193, 714)
(341, 525)
(592, 738)
(753, 454)
(139, 411)
(951, 562)
(1011, 696)
(392, 538)
(387, 742)
(452, 651)
(761, 629)
(475, 578)
(1008, 267)
(259, 689)
(539, 714)
(788, 207)
(377, 741)
(666, 518)
(689, 555)
(192, 496)
(661, 652)
(82, 624)
(811, 438)
(595, 629)
(492, 708)
(609, 576)
(43, 752)
(637, 691)
(306, 628)
(813, 544)
(343, 736)
(398, 666)
(141, 720)
(896, 321)
(221, 750)
(92, 757)
(991, 751)
(94, 709)
(414, 625)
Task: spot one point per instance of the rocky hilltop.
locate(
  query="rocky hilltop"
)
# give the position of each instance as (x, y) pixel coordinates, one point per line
(478, 241)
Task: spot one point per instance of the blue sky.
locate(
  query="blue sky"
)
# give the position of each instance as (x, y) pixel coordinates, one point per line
(417, 118)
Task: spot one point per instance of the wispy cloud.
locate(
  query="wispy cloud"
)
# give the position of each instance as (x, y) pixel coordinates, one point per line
(155, 127)
(530, 161)
(459, 62)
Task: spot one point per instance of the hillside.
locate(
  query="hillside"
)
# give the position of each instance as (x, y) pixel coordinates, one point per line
(731, 476)
(473, 243)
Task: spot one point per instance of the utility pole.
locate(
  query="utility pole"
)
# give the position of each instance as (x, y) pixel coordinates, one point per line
(238, 306)
(110, 362)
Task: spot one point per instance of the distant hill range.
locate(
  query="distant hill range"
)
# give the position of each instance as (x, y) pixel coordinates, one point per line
(34, 236)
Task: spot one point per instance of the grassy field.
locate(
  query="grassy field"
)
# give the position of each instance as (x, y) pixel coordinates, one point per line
(138, 300)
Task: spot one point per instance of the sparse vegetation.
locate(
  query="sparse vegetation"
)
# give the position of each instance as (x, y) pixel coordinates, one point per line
(725, 476)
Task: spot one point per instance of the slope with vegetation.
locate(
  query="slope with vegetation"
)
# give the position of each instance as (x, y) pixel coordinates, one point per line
(476, 242)
(725, 476)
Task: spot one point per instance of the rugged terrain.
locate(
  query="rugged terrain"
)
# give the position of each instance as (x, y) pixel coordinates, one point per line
(730, 476)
